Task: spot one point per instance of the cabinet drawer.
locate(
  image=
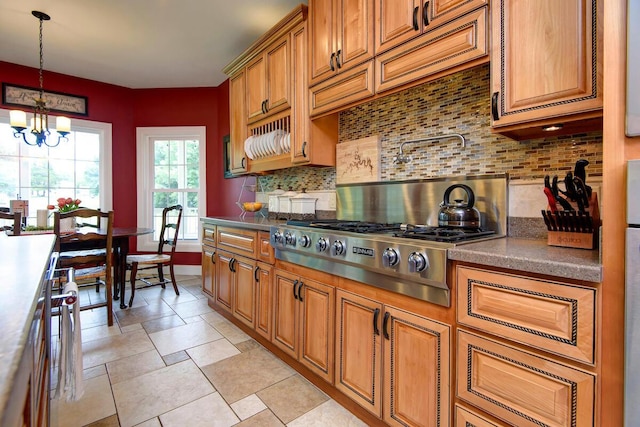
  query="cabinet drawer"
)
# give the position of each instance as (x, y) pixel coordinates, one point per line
(209, 234)
(552, 316)
(339, 91)
(466, 418)
(238, 241)
(521, 388)
(265, 250)
(455, 43)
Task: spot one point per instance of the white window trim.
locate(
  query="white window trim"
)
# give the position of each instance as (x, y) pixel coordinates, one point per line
(106, 175)
(144, 163)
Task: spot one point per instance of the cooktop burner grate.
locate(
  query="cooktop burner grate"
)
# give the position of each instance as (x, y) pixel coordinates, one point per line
(350, 226)
(442, 234)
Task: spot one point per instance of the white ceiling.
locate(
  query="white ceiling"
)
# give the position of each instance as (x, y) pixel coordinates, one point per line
(137, 43)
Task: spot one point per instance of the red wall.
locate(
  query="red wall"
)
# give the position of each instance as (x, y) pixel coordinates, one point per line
(127, 109)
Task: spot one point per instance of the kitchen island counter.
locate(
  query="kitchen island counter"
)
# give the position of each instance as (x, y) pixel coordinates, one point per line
(533, 256)
(23, 263)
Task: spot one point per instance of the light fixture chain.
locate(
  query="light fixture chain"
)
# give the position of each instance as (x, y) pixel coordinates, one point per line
(41, 63)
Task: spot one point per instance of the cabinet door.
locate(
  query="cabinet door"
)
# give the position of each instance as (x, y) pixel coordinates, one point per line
(300, 140)
(359, 350)
(460, 41)
(285, 310)
(278, 59)
(224, 280)
(317, 319)
(208, 269)
(264, 300)
(546, 60)
(244, 290)
(321, 39)
(354, 33)
(521, 388)
(396, 22)
(238, 125)
(416, 370)
(256, 87)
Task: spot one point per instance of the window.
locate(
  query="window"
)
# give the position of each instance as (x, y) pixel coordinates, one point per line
(171, 170)
(79, 168)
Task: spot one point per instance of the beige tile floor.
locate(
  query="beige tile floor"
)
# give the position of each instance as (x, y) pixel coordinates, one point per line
(173, 361)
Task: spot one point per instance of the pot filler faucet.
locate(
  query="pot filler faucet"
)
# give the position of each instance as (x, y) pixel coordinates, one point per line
(406, 158)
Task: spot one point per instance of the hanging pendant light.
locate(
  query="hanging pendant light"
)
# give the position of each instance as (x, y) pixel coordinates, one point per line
(39, 126)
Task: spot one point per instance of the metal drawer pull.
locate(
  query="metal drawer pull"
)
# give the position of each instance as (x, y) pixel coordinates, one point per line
(376, 314)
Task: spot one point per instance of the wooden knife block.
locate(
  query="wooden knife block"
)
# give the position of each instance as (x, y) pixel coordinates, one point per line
(579, 240)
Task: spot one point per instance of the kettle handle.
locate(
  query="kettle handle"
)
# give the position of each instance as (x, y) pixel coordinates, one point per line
(470, 196)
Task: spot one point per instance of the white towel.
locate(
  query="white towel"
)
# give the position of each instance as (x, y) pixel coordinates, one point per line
(70, 385)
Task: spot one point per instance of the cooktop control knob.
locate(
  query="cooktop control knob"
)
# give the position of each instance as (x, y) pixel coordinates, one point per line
(417, 262)
(278, 237)
(337, 248)
(304, 241)
(322, 244)
(390, 258)
(289, 239)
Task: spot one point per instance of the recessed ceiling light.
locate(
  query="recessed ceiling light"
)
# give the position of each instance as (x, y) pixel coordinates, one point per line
(552, 128)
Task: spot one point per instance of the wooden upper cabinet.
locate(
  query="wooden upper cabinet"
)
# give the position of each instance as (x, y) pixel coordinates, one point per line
(268, 81)
(546, 63)
(398, 21)
(238, 125)
(341, 36)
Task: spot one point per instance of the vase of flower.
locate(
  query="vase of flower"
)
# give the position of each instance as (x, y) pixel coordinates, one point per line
(66, 205)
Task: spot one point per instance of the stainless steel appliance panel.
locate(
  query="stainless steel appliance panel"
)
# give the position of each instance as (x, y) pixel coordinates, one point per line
(633, 65)
(632, 328)
(418, 201)
(633, 192)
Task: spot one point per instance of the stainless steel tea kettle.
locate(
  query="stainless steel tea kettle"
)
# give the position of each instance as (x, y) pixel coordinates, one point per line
(458, 214)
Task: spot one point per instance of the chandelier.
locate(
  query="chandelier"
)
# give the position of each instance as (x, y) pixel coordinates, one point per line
(39, 126)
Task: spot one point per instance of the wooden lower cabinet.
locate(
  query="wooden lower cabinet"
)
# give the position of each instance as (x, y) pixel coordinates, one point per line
(235, 288)
(208, 269)
(392, 362)
(264, 300)
(522, 388)
(303, 321)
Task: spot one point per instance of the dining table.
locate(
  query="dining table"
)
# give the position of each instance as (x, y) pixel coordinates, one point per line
(120, 245)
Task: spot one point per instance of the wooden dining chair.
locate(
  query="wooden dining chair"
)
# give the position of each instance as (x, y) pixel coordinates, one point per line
(171, 218)
(88, 249)
(16, 218)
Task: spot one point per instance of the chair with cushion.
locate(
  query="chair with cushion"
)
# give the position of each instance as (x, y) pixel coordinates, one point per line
(171, 217)
(88, 249)
(16, 226)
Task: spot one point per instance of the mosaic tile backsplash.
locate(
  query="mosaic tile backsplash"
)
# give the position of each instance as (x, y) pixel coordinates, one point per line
(458, 103)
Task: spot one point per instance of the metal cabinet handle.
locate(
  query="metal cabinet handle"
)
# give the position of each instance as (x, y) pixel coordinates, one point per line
(295, 283)
(300, 291)
(385, 323)
(425, 14)
(376, 314)
(494, 105)
(243, 163)
(255, 274)
(304, 149)
(415, 19)
(338, 64)
(213, 257)
(331, 62)
(266, 105)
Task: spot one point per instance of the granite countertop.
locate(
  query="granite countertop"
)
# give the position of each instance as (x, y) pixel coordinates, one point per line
(534, 256)
(250, 222)
(23, 264)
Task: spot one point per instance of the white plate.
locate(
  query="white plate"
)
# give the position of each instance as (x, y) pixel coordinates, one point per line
(247, 146)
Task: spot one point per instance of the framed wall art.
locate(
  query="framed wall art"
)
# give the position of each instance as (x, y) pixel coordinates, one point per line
(22, 96)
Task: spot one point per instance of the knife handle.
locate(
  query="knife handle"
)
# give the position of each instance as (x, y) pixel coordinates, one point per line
(551, 199)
